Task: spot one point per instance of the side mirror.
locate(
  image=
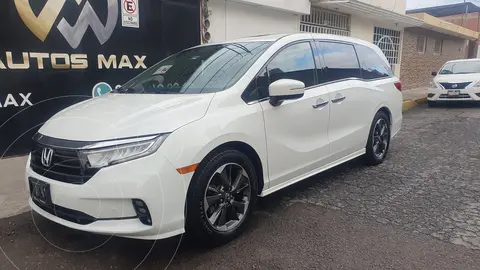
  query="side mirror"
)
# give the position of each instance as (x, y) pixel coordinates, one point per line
(434, 73)
(118, 86)
(285, 89)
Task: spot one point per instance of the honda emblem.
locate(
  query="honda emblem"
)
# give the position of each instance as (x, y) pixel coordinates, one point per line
(47, 156)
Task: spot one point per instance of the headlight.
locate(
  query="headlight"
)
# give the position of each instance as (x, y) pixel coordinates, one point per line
(117, 151)
(477, 85)
(432, 85)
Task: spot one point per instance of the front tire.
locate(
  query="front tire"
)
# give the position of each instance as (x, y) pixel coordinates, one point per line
(378, 140)
(221, 197)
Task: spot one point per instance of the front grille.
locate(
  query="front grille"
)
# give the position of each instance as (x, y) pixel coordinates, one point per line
(444, 96)
(462, 85)
(66, 165)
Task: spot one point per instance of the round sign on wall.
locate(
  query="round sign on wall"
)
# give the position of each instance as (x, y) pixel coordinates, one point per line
(101, 88)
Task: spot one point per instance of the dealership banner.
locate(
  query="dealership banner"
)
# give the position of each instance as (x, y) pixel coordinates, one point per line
(55, 53)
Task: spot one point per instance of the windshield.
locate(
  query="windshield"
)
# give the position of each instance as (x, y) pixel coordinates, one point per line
(461, 68)
(205, 69)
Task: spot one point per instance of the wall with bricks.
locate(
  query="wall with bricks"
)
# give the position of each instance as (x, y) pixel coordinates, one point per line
(471, 21)
(417, 67)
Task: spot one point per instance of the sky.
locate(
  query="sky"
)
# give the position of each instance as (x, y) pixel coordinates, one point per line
(413, 4)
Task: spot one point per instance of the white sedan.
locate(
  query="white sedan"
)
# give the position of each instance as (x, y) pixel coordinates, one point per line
(456, 81)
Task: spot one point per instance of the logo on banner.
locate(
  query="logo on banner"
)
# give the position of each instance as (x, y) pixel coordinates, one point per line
(42, 24)
(101, 89)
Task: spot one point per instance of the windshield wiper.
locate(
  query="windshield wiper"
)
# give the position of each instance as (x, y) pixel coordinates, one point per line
(241, 47)
(226, 47)
(124, 90)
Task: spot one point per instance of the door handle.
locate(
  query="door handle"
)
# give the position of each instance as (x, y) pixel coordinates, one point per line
(338, 99)
(320, 104)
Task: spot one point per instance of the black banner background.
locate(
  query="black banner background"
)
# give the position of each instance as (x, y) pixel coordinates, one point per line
(166, 27)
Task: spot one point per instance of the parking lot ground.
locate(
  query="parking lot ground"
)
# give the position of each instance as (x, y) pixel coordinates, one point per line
(13, 191)
(418, 210)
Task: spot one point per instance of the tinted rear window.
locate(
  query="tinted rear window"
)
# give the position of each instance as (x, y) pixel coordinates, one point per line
(373, 66)
(341, 61)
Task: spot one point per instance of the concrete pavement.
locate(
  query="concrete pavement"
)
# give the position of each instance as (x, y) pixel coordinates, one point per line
(13, 192)
(298, 236)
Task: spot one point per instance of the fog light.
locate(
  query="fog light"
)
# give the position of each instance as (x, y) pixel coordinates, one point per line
(430, 95)
(142, 211)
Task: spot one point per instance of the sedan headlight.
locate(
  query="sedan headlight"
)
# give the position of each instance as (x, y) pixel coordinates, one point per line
(113, 152)
(477, 85)
(432, 85)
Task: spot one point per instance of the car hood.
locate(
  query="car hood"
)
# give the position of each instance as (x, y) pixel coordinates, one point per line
(116, 116)
(458, 78)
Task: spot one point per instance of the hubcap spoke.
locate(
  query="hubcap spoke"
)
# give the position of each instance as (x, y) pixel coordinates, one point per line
(240, 189)
(383, 130)
(239, 206)
(237, 180)
(223, 217)
(226, 180)
(213, 189)
(214, 199)
(240, 184)
(214, 217)
(232, 213)
(385, 144)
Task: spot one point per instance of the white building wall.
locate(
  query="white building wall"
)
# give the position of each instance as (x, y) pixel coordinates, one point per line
(398, 6)
(232, 20)
(362, 28)
(295, 6)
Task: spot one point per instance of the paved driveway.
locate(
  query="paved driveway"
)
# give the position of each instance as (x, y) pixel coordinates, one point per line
(419, 210)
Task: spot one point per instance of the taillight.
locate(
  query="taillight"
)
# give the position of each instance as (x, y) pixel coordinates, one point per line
(399, 86)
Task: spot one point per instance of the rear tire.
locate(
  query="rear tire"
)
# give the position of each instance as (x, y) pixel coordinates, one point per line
(378, 139)
(222, 190)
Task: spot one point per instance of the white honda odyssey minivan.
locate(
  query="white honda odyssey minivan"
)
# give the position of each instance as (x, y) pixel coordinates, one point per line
(189, 144)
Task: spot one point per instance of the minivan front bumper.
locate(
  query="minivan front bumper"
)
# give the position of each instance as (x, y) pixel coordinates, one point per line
(105, 204)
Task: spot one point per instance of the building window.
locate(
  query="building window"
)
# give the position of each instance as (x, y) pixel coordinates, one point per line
(421, 44)
(438, 46)
(388, 41)
(326, 22)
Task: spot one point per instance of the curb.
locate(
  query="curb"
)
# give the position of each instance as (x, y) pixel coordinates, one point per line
(409, 104)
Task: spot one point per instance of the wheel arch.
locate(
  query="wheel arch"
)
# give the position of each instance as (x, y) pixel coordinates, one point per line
(249, 151)
(386, 110)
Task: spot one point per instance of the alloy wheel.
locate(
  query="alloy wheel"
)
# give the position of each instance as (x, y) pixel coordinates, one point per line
(381, 138)
(227, 197)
